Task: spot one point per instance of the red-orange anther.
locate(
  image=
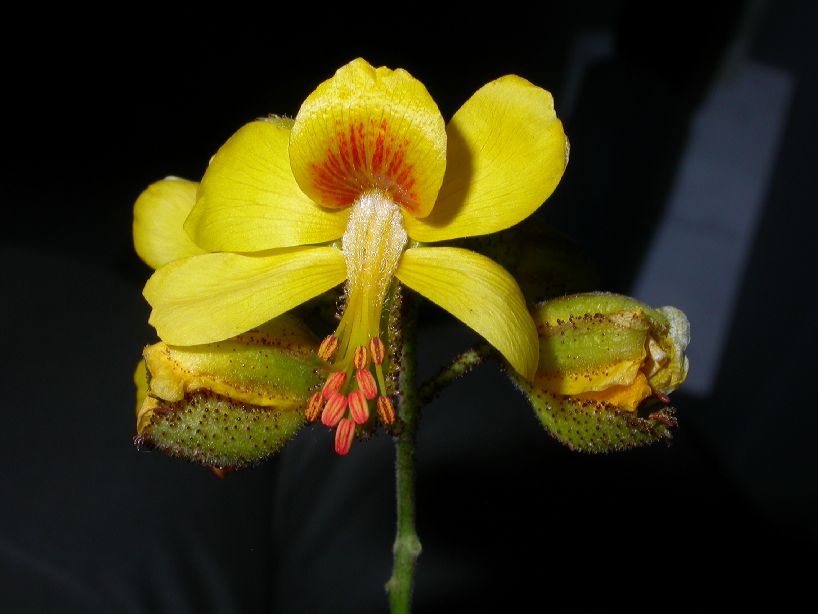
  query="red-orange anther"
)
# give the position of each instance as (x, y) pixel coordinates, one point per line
(366, 383)
(314, 406)
(344, 435)
(334, 383)
(334, 410)
(360, 358)
(378, 350)
(327, 348)
(386, 410)
(358, 406)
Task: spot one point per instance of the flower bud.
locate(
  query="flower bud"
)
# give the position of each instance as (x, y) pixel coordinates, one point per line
(603, 357)
(231, 403)
(609, 347)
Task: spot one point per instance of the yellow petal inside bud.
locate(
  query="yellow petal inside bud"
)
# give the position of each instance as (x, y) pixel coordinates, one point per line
(627, 396)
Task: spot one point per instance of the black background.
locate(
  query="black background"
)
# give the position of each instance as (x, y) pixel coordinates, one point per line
(99, 105)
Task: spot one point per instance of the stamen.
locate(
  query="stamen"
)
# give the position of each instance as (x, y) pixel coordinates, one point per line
(334, 383)
(358, 406)
(334, 411)
(360, 358)
(381, 379)
(314, 407)
(344, 435)
(327, 348)
(366, 383)
(372, 244)
(386, 410)
(377, 349)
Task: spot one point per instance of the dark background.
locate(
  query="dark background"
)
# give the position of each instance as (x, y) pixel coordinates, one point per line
(97, 106)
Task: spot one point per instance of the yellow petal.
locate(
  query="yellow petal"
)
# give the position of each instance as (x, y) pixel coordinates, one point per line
(507, 152)
(140, 380)
(216, 296)
(624, 396)
(249, 200)
(480, 293)
(369, 128)
(158, 217)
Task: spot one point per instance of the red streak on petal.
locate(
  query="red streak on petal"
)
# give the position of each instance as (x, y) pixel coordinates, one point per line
(343, 149)
(365, 155)
(356, 157)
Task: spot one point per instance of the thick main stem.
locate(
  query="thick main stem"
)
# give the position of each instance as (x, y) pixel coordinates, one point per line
(407, 545)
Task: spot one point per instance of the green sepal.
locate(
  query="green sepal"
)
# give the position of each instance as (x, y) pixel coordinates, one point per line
(594, 426)
(231, 403)
(218, 432)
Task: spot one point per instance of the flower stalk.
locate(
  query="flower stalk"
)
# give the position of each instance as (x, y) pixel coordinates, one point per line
(406, 548)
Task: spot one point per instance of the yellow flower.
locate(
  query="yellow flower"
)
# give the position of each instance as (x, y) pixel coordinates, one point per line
(368, 161)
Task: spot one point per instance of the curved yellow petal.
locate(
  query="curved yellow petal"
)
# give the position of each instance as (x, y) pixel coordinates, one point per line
(623, 396)
(249, 200)
(140, 380)
(216, 296)
(480, 293)
(507, 152)
(369, 128)
(158, 216)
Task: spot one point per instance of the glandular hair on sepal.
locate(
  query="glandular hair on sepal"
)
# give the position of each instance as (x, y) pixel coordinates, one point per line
(215, 431)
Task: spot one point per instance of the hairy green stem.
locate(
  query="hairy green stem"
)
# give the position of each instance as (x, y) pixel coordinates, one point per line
(407, 545)
(459, 367)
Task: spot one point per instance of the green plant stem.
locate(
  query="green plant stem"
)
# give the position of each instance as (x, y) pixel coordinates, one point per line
(459, 367)
(407, 545)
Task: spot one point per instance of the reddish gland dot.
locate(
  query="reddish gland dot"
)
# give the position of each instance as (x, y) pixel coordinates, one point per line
(362, 157)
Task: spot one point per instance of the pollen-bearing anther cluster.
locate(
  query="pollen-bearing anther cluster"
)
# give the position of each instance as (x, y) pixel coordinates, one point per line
(372, 245)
